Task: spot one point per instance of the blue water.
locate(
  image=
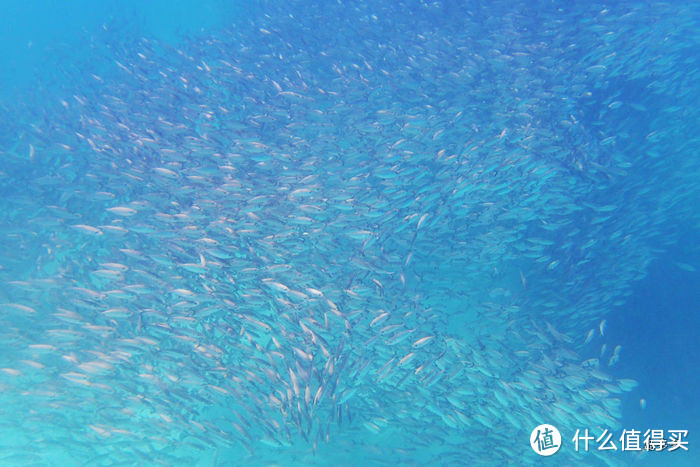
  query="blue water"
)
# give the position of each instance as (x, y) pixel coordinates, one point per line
(345, 233)
(658, 329)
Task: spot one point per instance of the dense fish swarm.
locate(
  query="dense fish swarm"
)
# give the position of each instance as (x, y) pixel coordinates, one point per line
(340, 232)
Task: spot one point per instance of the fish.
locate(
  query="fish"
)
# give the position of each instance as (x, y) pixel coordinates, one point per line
(260, 238)
(122, 211)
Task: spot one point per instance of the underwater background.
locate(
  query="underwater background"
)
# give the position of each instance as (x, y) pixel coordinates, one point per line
(348, 232)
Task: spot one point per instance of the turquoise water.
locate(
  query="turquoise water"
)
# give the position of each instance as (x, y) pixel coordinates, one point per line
(346, 233)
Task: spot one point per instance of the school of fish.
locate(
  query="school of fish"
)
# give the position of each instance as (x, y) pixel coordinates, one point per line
(340, 232)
